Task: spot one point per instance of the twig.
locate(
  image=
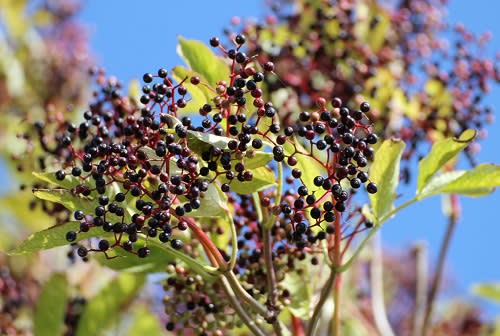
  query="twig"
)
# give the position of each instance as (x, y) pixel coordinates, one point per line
(436, 280)
(242, 314)
(422, 278)
(271, 279)
(377, 288)
(325, 293)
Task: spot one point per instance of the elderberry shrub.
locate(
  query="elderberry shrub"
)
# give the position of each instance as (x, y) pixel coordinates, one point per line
(149, 174)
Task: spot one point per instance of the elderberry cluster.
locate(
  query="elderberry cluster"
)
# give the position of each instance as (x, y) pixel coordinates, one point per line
(147, 172)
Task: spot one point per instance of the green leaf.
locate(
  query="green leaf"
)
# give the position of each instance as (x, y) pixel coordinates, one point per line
(53, 237)
(17, 204)
(488, 291)
(200, 142)
(256, 159)
(107, 306)
(202, 60)
(309, 167)
(124, 261)
(66, 198)
(69, 181)
(478, 181)
(385, 173)
(199, 94)
(302, 293)
(144, 323)
(51, 307)
(442, 152)
(213, 203)
(263, 178)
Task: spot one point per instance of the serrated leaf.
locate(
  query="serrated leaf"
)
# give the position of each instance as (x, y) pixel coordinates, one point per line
(53, 237)
(51, 307)
(263, 178)
(478, 181)
(124, 261)
(385, 173)
(202, 60)
(17, 205)
(144, 322)
(488, 291)
(106, 307)
(198, 94)
(442, 152)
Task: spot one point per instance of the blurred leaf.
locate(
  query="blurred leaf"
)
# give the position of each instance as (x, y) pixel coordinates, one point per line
(42, 18)
(51, 307)
(53, 237)
(488, 291)
(263, 178)
(202, 60)
(384, 171)
(144, 322)
(13, 14)
(106, 307)
(441, 152)
(353, 327)
(302, 293)
(134, 90)
(439, 95)
(478, 181)
(17, 204)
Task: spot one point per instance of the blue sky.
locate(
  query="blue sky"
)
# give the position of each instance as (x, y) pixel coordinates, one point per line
(131, 38)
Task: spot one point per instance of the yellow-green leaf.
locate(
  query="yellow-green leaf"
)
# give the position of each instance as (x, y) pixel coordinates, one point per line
(488, 291)
(385, 173)
(107, 306)
(202, 60)
(442, 152)
(53, 237)
(51, 307)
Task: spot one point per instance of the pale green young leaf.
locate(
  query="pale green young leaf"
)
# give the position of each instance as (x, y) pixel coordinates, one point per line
(202, 60)
(441, 152)
(384, 171)
(107, 306)
(51, 307)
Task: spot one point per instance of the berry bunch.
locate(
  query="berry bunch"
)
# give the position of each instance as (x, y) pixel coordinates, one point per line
(382, 53)
(147, 174)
